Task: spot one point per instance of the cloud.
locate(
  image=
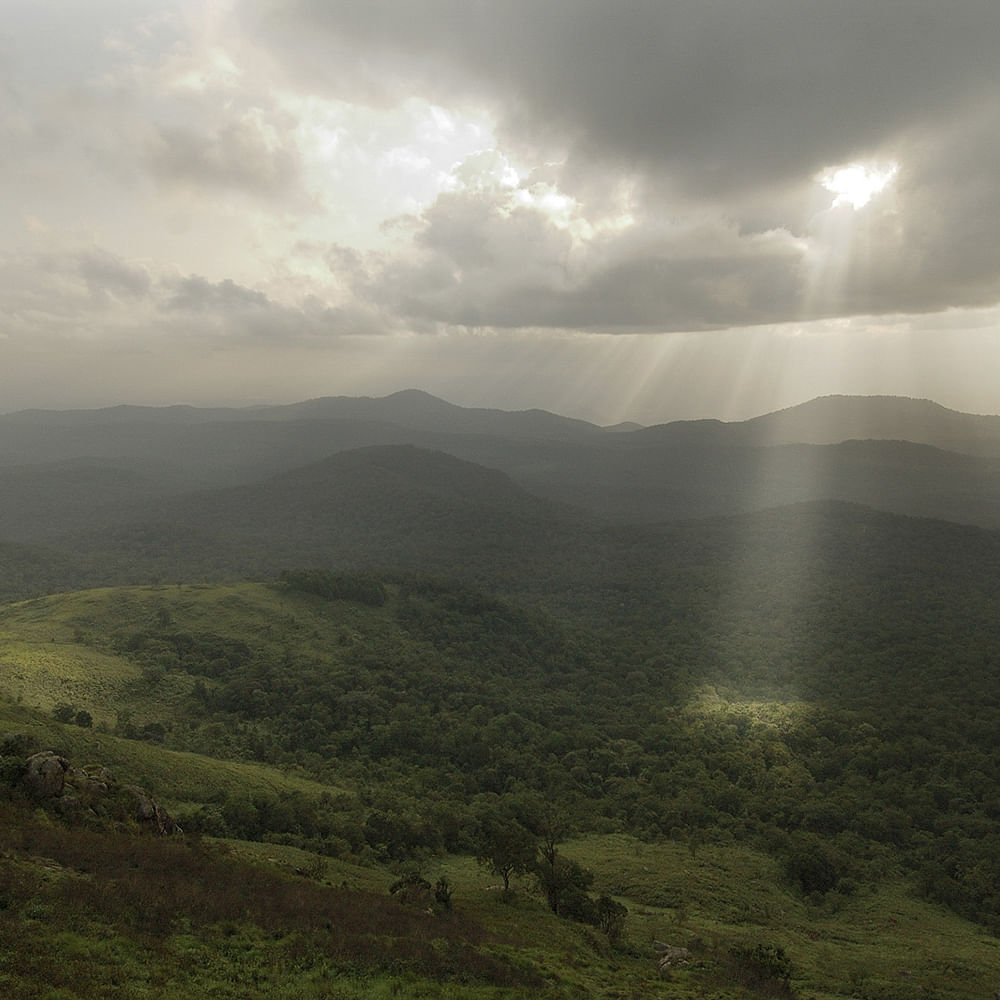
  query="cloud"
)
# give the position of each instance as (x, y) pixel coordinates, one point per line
(717, 117)
(91, 296)
(226, 312)
(294, 179)
(243, 154)
(197, 294)
(720, 96)
(107, 275)
(485, 264)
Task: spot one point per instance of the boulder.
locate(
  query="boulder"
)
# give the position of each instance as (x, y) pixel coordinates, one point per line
(92, 791)
(149, 813)
(45, 776)
(670, 955)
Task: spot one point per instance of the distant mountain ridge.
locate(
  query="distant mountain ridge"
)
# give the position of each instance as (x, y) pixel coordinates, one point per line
(412, 407)
(835, 419)
(72, 471)
(824, 420)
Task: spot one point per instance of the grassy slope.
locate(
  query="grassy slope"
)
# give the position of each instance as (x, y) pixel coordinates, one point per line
(45, 661)
(881, 944)
(47, 654)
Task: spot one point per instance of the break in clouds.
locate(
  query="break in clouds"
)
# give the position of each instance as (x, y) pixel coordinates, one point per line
(687, 139)
(268, 171)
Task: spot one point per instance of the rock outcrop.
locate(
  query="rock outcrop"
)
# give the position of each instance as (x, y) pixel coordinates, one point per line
(150, 813)
(45, 776)
(90, 792)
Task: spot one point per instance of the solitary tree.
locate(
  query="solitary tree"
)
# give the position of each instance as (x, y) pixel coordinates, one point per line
(504, 846)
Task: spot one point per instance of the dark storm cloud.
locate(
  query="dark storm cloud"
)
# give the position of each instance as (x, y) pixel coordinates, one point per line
(712, 109)
(716, 95)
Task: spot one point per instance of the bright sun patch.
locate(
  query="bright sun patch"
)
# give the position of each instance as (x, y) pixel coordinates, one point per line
(856, 184)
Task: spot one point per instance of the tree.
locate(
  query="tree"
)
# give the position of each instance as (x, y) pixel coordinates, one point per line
(64, 712)
(610, 917)
(565, 884)
(504, 846)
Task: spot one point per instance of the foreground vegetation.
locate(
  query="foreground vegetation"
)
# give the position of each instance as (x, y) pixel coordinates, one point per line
(109, 912)
(807, 802)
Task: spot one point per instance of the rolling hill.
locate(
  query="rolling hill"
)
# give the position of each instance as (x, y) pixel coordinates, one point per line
(759, 758)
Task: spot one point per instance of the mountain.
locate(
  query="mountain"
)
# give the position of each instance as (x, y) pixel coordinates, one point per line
(61, 473)
(188, 448)
(412, 407)
(396, 507)
(834, 419)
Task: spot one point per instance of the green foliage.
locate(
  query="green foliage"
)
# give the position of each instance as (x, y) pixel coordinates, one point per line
(503, 845)
(64, 712)
(762, 968)
(360, 587)
(443, 893)
(565, 883)
(610, 916)
(410, 887)
(814, 864)
(841, 713)
(160, 650)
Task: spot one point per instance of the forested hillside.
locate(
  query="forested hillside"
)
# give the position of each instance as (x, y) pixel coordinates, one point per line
(397, 660)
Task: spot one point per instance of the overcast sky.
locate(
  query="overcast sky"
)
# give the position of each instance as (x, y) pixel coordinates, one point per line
(615, 209)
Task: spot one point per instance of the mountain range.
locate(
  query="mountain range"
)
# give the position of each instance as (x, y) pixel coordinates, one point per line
(62, 472)
(529, 502)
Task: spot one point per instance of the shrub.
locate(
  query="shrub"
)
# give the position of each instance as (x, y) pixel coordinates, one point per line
(610, 917)
(762, 967)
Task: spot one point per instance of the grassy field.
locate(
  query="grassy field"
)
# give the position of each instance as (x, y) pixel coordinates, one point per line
(880, 944)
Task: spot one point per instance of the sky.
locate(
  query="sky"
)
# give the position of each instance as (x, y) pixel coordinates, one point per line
(613, 209)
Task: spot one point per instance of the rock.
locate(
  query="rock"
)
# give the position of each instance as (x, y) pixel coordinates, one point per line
(150, 814)
(145, 808)
(92, 782)
(67, 804)
(45, 776)
(670, 955)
